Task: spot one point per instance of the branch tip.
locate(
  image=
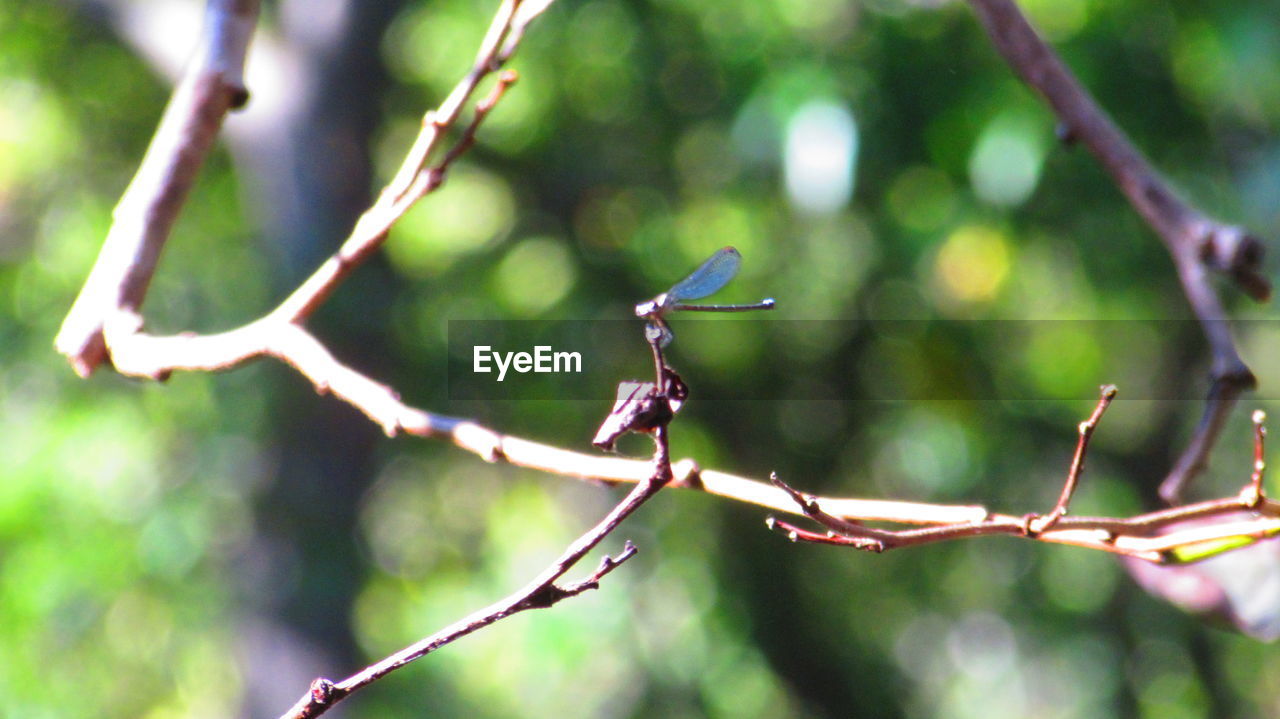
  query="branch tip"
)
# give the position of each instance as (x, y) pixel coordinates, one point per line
(1033, 525)
(1253, 495)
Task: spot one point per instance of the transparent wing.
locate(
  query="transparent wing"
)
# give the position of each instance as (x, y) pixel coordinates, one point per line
(709, 278)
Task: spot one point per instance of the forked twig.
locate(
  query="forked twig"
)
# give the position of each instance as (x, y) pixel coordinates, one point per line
(1136, 537)
(1038, 524)
(106, 324)
(541, 593)
(211, 85)
(1198, 244)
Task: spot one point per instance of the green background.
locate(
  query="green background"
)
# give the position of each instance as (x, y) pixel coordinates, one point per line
(206, 546)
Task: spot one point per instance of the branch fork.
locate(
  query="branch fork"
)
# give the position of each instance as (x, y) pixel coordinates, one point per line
(106, 325)
(1197, 243)
(1137, 537)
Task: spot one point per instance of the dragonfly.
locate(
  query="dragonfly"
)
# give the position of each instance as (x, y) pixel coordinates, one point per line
(705, 281)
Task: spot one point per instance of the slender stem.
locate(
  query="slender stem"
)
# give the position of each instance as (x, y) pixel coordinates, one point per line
(1253, 493)
(211, 85)
(540, 593)
(1196, 242)
(1036, 525)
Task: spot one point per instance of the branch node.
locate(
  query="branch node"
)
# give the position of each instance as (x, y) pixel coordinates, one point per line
(1066, 136)
(239, 98)
(687, 474)
(322, 691)
(1034, 525)
(1232, 250)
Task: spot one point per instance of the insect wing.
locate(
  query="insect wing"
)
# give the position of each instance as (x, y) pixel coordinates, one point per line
(709, 278)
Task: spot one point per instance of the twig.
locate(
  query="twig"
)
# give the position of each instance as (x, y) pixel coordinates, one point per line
(541, 593)
(1196, 242)
(212, 84)
(1223, 394)
(414, 179)
(1132, 537)
(1036, 525)
(941, 522)
(1253, 493)
(105, 321)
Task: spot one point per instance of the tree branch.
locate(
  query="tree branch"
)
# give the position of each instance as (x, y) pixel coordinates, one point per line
(1131, 537)
(1196, 242)
(212, 85)
(280, 333)
(106, 323)
(541, 593)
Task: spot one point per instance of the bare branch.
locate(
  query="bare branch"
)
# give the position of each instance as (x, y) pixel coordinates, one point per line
(106, 323)
(540, 593)
(1036, 525)
(1132, 537)
(412, 181)
(1129, 535)
(1197, 242)
(212, 84)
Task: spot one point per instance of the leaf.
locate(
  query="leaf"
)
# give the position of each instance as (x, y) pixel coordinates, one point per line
(1240, 587)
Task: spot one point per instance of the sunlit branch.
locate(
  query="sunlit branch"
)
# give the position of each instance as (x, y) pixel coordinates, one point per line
(1036, 525)
(106, 324)
(212, 84)
(1133, 537)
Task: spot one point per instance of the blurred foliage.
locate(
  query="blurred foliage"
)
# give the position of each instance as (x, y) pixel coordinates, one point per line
(140, 537)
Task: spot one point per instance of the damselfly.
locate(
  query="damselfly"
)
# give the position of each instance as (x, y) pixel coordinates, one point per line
(707, 280)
